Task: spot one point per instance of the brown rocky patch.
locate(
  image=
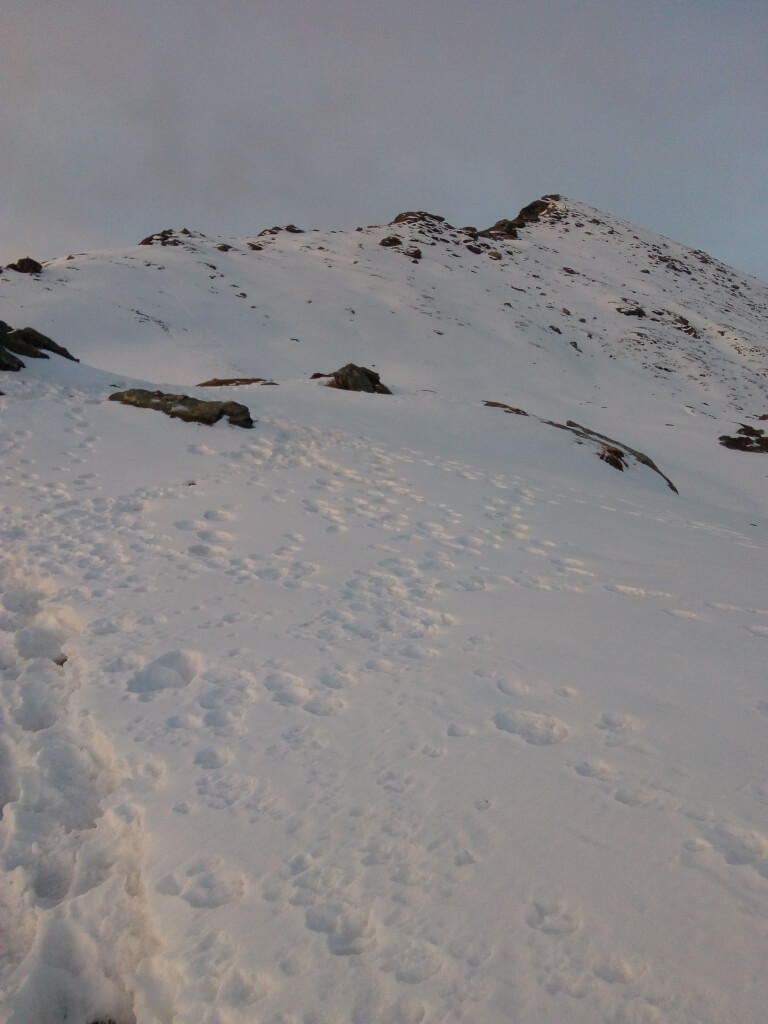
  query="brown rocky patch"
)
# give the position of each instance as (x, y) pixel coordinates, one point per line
(506, 408)
(228, 382)
(184, 407)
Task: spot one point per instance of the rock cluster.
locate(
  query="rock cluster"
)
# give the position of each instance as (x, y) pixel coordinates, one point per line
(165, 237)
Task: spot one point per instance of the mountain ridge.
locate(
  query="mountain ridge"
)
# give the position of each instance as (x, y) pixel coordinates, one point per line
(670, 269)
(565, 308)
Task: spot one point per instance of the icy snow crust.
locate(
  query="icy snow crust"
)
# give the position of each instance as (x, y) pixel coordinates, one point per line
(394, 708)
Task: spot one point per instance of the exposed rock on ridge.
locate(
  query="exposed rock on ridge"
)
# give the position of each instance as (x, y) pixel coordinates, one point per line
(614, 453)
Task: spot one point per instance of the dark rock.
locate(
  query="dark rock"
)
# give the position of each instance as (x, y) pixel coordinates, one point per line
(614, 457)
(683, 324)
(506, 408)
(531, 213)
(164, 237)
(27, 341)
(614, 453)
(294, 230)
(501, 229)
(22, 348)
(184, 407)
(26, 266)
(528, 215)
(631, 311)
(8, 361)
(747, 439)
(588, 434)
(474, 248)
(419, 217)
(414, 253)
(357, 378)
(391, 240)
(255, 247)
(226, 382)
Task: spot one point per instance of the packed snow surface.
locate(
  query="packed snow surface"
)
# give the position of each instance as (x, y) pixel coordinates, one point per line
(393, 709)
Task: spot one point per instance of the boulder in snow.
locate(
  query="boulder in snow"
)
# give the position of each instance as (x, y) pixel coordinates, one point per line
(26, 265)
(355, 378)
(184, 407)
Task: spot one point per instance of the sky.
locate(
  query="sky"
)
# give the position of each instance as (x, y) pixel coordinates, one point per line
(121, 118)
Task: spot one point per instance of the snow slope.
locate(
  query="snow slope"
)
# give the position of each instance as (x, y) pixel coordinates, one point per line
(394, 708)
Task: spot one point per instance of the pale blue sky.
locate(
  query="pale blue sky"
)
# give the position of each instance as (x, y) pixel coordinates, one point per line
(121, 117)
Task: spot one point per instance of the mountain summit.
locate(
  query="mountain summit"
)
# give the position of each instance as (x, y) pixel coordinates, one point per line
(435, 694)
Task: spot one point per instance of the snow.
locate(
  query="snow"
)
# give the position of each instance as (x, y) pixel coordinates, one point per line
(393, 708)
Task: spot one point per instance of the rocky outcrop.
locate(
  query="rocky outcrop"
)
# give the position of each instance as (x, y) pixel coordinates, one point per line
(8, 361)
(420, 217)
(229, 382)
(164, 237)
(506, 408)
(501, 229)
(614, 453)
(355, 378)
(26, 341)
(528, 215)
(185, 407)
(26, 266)
(747, 439)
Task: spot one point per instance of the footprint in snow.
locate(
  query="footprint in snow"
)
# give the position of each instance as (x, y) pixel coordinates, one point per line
(350, 930)
(539, 730)
(170, 671)
(206, 884)
(551, 917)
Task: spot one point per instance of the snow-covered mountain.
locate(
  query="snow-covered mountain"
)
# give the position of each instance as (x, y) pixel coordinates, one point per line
(393, 708)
